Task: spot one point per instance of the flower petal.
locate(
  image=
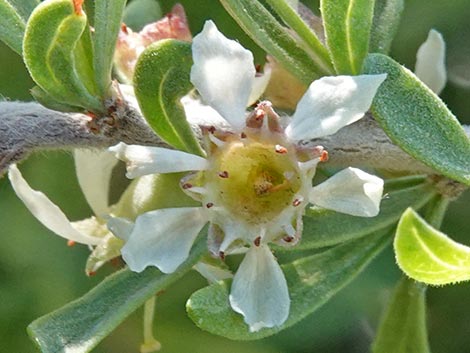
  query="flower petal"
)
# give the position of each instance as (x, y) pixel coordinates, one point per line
(142, 160)
(430, 62)
(259, 85)
(94, 169)
(331, 103)
(120, 227)
(223, 73)
(350, 191)
(163, 238)
(45, 211)
(259, 290)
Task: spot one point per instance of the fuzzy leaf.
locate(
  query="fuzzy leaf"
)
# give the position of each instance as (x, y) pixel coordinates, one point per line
(107, 22)
(273, 37)
(161, 78)
(312, 282)
(428, 255)
(403, 327)
(326, 228)
(51, 37)
(347, 28)
(418, 121)
(82, 324)
(387, 14)
(13, 17)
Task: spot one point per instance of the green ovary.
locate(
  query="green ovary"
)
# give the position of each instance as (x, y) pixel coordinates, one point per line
(259, 182)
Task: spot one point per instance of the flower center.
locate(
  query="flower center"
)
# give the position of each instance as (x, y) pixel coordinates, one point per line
(254, 180)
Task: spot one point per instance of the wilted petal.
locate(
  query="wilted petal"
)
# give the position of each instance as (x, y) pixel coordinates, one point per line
(430, 62)
(223, 73)
(259, 290)
(350, 191)
(94, 169)
(163, 238)
(331, 103)
(45, 211)
(142, 160)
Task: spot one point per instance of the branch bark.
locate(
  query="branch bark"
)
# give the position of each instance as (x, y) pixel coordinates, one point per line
(29, 127)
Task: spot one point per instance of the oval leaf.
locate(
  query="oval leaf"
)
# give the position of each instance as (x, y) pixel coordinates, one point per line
(418, 121)
(325, 228)
(107, 22)
(161, 78)
(403, 327)
(428, 255)
(387, 14)
(347, 28)
(273, 37)
(312, 282)
(51, 36)
(82, 324)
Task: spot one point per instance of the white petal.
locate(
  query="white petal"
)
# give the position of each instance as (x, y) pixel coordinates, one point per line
(142, 160)
(259, 85)
(430, 62)
(331, 103)
(213, 273)
(350, 191)
(120, 227)
(163, 238)
(259, 290)
(223, 73)
(45, 211)
(94, 169)
(201, 114)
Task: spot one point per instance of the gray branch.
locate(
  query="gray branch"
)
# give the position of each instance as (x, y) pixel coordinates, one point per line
(28, 127)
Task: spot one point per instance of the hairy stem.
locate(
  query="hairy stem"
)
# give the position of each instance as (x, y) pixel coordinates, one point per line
(29, 127)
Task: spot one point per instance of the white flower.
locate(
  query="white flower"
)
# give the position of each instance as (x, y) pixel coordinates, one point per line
(93, 173)
(254, 183)
(430, 62)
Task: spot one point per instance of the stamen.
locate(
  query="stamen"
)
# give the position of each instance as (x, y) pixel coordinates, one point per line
(296, 202)
(257, 241)
(222, 255)
(243, 135)
(280, 149)
(71, 243)
(216, 141)
(324, 156)
(288, 239)
(187, 186)
(209, 204)
(223, 174)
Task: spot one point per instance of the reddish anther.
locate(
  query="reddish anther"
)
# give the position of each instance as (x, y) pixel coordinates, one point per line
(209, 204)
(91, 273)
(71, 243)
(288, 239)
(243, 135)
(324, 156)
(296, 202)
(77, 6)
(187, 186)
(280, 149)
(222, 255)
(257, 241)
(223, 174)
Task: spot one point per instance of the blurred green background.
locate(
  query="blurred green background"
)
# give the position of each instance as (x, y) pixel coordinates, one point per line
(39, 273)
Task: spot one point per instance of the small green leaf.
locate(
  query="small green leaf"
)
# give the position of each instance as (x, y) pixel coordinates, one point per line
(13, 17)
(326, 228)
(46, 100)
(428, 255)
(107, 22)
(347, 28)
(82, 324)
(387, 14)
(403, 327)
(272, 36)
(161, 78)
(312, 282)
(50, 40)
(418, 121)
